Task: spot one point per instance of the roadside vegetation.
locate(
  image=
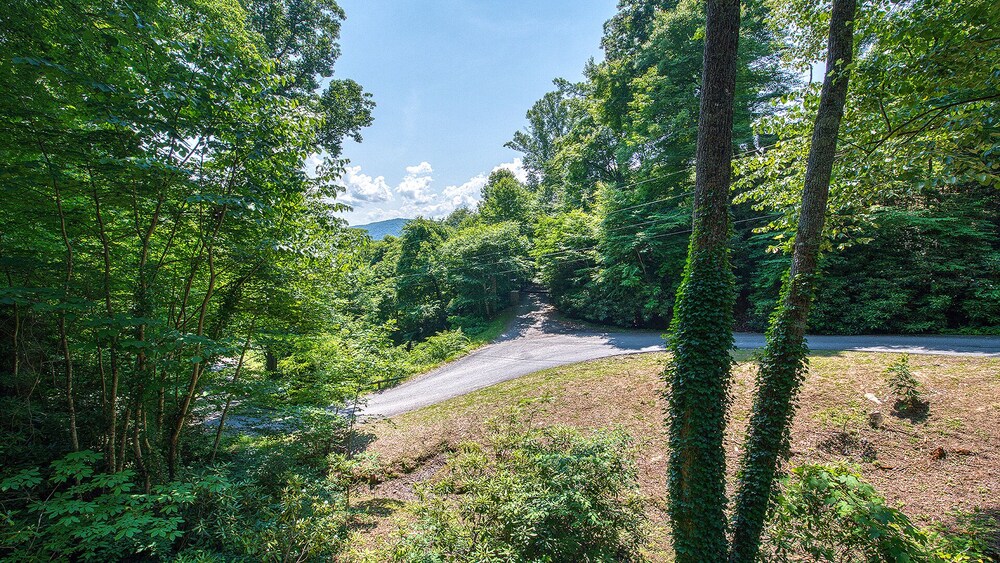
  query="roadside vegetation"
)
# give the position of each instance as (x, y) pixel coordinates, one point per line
(928, 481)
(184, 317)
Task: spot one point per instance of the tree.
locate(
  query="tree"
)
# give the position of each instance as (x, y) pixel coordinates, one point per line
(548, 121)
(701, 332)
(461, 218)
(301, 36)
(564, 253)
(422, 294)
(628, 30)
(626, 153)
(484, 264)
(153, 159)
(784, 362)
(505, 199)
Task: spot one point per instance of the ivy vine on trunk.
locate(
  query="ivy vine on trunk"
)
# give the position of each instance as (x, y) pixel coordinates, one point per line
(701, 333)
(783, 365)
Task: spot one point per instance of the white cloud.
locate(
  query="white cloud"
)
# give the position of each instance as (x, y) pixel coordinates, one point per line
(422, 168)
(416, 183)
(515, 166)
(418, 194)
(362, 187)
(468, 193)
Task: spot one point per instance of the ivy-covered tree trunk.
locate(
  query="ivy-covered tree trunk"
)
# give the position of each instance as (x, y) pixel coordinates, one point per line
(784, 363)
(701, 334)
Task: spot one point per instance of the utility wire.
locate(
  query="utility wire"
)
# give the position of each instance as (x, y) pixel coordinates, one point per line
(687, 169)
(559, 252)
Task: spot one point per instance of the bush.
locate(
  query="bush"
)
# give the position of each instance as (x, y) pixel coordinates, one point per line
(967, 540)
(828, 513)
(907, 390)
(307, 521)
(75, 512)
(329, 368)
(531, 495)
(441, 347)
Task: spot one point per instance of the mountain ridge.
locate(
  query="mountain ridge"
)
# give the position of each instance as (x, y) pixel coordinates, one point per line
(381, 229)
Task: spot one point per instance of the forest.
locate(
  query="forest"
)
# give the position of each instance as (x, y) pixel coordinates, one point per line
(185, 319)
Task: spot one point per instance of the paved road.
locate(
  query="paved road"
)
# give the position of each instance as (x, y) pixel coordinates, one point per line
(537, 339)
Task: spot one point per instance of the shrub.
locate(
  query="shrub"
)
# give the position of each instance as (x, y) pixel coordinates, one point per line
(967, 540)
(441, 347)
(830, 514)
(907, 390)
(531, 495)
(308, 521)
(74, 512)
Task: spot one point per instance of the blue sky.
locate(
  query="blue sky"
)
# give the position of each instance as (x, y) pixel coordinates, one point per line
(452, 80)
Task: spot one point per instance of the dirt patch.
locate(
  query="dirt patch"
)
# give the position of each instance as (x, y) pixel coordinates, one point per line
(400, 487)
(849, 445)
(931, 465)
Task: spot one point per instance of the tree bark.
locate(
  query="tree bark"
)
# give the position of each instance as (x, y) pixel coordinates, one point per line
(701, 335)
(229, 399)
(785, 360)
(112, 405)
(63, 338)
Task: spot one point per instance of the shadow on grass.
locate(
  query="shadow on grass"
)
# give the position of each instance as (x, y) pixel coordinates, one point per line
(849, 444)
(916, 414)
(358, 442)
(375, 509)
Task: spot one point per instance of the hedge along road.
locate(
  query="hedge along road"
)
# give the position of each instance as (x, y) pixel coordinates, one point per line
(537, 339)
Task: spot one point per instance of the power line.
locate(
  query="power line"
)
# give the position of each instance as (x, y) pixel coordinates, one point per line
(687, 169)
(555, 253)
(662, 200)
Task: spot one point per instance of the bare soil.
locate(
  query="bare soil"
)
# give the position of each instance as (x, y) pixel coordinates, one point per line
(931, 463)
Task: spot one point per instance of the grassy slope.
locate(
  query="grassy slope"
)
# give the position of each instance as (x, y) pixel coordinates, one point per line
(964, 422)
(479, 336)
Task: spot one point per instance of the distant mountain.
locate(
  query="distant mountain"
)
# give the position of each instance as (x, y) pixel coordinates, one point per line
(381, 229)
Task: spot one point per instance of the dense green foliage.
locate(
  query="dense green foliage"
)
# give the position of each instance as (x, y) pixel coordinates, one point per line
(828, 513)
(618, 147)
(910, 247)
(549, 494)
(448, 277)
(170, 267)
(277, 498)
(158, 223)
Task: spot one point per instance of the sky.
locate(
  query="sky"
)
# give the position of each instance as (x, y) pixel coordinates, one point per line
(452, 80)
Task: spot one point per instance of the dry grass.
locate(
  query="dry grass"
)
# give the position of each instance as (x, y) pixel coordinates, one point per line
(931, 467)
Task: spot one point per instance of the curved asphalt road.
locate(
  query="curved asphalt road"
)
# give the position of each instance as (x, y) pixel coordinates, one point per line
(537, 340)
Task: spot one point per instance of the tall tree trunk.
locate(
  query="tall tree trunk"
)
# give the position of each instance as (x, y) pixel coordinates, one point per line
(14, 360)
(112, 404)
(701, 334)
(63, 338)
(196, 371)
(785, 360)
